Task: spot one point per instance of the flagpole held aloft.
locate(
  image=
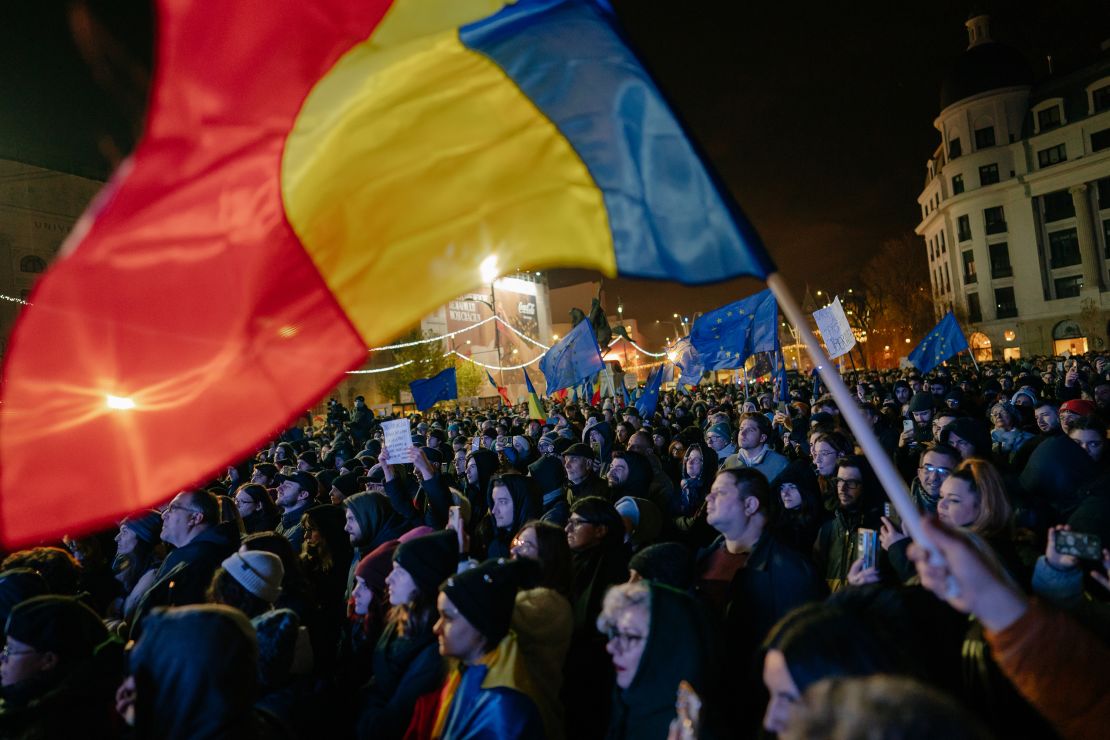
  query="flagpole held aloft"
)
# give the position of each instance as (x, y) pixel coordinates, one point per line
(884, 467)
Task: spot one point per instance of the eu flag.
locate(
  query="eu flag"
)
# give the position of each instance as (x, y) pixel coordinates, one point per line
(727, 336)
(573, 359)
(944, 341)
(647, 403)
(687, 361)
(426, 392)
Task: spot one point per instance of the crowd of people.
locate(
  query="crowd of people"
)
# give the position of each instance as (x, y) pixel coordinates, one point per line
(563, 577)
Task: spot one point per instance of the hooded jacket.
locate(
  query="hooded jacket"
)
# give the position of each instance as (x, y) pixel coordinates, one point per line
(196, 675)
(676, 650)
(638, 482)
(527, 505)
(606, 431)
(378, 523)
(487, 463)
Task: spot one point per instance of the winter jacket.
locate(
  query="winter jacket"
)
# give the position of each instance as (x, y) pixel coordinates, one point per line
(836, 546)
(405, 668)
(543, 623)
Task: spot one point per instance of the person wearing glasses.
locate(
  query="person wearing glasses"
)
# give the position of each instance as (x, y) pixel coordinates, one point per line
(857, 494)
(656, 637)
(58, 671)
(191, 524)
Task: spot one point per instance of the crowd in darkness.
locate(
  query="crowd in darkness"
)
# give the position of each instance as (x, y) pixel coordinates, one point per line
(562, 577)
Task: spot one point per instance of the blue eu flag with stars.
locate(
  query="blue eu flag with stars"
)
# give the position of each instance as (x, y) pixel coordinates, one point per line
(573, 359)
(944, 341)
(650, 399)
(426, 392)
(726, 337)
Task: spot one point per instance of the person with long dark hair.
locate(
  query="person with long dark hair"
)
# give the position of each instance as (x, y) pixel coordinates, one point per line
(406, 659)
(798, 513)
(256, 508)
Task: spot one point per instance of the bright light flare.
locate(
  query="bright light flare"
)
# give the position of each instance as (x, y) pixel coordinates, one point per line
(120, 403)
(489, 269)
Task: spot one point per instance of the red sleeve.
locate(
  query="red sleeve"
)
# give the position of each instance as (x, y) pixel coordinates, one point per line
(424, 716)
(1060, 668)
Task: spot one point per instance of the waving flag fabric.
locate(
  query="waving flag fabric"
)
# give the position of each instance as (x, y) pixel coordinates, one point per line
(647, 402)
(535, 405)
(313, 178)
(572, 359)
(944, 341)
(501, 390)
(427, 392)
(726, 337)
(688, 363)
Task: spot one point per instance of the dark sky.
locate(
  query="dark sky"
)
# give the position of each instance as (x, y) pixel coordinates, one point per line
(818, 117)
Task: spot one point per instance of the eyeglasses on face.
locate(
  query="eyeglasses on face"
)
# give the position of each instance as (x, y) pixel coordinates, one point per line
(938, 469)
(622, 640)
(520, 544)
(576, 523)
(848, 483)
(178, 507)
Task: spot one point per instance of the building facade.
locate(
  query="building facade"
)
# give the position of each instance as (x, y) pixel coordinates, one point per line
(1015, 212)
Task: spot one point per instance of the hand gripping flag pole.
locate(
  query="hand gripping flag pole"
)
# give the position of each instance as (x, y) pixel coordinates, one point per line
(884, 467)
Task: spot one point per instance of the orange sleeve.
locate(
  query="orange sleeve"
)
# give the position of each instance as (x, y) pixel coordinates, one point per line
(1060, 668)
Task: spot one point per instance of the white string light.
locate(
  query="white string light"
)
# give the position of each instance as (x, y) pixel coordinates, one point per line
(534, 360)
(379, 369)
(429, 340)
(521, 334)
(14, 300)
(641, 349)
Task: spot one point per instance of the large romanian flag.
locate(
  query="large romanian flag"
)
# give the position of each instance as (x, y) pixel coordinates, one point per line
(314, 177)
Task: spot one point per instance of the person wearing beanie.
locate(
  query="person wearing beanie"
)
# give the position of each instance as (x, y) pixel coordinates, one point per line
(911, 441)
(277, 633)
(17, 585)
(344, 486)
(668, 563)
(249, 581)
(1072, 410)
(719, 438)
(489, 692)
(406, 661)
(969, 437)
(550, 477)
(58, 671)
(581, 466)
(138, 556)
(599, 559)
(295, 493)
(366, 614)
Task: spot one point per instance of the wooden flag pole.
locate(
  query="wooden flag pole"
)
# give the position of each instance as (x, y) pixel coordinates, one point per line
(884, 468)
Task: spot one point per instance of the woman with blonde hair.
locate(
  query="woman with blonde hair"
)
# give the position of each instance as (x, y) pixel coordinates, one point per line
(974, 498)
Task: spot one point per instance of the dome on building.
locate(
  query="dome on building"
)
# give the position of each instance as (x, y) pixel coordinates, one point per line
(985, 65)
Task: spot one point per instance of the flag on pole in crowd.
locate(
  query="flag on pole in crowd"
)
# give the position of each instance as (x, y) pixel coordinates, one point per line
(624, 395)
(944, 341)
(816, 384)
(427, 392)
(726, 337)
(687, 361)
(835, 330)
(164, 312)
(572, 359)
(535, 405)
(501, 390)
(647, 403)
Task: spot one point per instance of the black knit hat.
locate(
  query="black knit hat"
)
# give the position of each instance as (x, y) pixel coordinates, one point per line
(57, 624)
(562, 444)
(17, 585)
(429, 559)
(147, 526)
(486, 595)
(922, 401)
(668, 563)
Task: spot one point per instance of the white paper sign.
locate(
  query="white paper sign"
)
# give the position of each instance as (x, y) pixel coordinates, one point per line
(835, 330)
(398, 440)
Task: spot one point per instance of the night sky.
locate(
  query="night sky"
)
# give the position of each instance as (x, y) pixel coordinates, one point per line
(817, 116)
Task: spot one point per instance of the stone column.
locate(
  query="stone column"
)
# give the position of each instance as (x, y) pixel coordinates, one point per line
(1088, 245)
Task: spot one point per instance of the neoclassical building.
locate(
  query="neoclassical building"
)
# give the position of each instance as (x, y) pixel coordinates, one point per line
(1015, 212)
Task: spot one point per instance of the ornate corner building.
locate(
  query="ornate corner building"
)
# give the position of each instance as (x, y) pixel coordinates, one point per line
(1015, 212)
